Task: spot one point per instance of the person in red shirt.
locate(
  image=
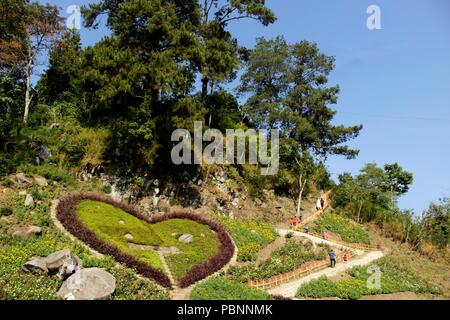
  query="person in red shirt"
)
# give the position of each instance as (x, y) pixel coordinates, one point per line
(294, 222)
(345, 258)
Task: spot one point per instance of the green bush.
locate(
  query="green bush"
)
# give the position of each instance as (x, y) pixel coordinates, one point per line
(322, 287)
(49, 171)
(107, 189)
(220, 288)
(289, 235)
(343, 227)
(4, 212)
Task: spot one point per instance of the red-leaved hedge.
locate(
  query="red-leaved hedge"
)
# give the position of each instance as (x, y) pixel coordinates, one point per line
(67, 216)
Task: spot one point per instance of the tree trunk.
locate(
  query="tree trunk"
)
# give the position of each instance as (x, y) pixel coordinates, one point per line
(27, 92)
(392, 198)
(205, 81)
(302, 184)
(359, 211)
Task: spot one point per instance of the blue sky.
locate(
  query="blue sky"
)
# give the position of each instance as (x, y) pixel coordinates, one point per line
(395, 81)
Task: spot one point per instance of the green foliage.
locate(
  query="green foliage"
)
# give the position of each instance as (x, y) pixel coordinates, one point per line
(436, 223)
(291, 256)
(249, 236)
(105, 221)
(131, 287)
(64, 67)
(49, 171)
(6, 211)
(284, 82)
(343, 227)
(220, 288)
(10, 106)
(322, 287)
(393, 279)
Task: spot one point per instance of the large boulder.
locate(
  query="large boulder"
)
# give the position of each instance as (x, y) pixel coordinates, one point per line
(88, 284)
(62, 263)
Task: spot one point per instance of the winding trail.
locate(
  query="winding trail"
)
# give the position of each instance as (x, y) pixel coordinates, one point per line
(289, 289)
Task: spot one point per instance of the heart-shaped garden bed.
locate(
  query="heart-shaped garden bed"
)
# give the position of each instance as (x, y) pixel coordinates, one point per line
(142, 242)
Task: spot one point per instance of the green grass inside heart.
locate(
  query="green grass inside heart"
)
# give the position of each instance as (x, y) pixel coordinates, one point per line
(112, 225)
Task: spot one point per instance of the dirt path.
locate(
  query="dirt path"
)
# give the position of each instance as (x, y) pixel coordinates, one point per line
(267, 251)
(289, 289)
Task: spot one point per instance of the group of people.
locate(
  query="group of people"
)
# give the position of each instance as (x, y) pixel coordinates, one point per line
(320, 204)
(332, 256)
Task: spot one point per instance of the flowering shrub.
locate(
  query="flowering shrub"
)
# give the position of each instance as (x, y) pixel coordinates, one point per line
(343, 227)
(220, 288)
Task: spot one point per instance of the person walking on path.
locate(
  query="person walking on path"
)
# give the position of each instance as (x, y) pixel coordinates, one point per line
(306, 228)
(319, 204)
(332, 256)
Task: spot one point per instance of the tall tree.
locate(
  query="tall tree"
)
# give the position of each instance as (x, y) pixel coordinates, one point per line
(396, 181)
(12, 35)
(217, 57)
(38, 28)
(437, 223)
(63, 70)
(140, 77)
(288, 91)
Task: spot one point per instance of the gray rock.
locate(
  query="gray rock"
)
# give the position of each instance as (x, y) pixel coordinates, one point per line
(35, 265)
(129, 236)
(25, 232)
(88, 284)
(62, 263)
(40, 181)
(186, 238)
(155, 201)
(29, 201)
(43, 153)
(21, 179)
